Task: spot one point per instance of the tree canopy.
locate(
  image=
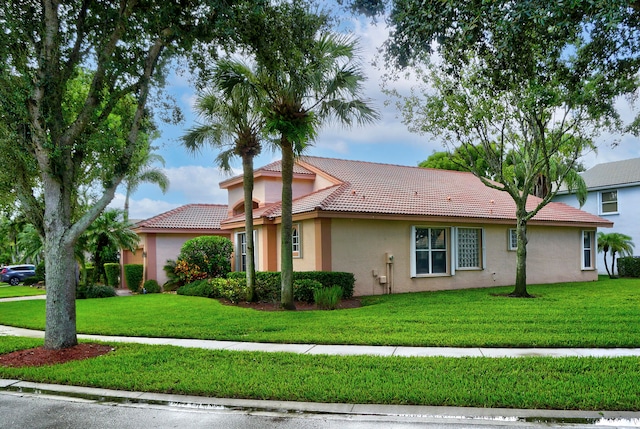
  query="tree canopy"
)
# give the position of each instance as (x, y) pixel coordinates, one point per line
(532, 83)
(66, 70)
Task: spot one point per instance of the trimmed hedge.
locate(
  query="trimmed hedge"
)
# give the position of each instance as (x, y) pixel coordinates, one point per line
(133, 276)
(629, 266)
(95, 291)
(151, 286)
(268, 283)
(304, 289)
(235, 290)
(112, 272)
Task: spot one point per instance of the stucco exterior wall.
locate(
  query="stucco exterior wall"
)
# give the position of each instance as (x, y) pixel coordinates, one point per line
(625, 221)
(361, 246)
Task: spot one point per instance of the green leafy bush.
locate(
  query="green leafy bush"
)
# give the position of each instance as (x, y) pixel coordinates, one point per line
(31, 280)
(151, 286)
(210, 254)
(629, 266)
(198, 288)
(173, 279)
(304, 289)
(100, 291)
(235, 290)
(133, 276)
(327, 297)
(40, 273)
(112, 272)
(268, 282)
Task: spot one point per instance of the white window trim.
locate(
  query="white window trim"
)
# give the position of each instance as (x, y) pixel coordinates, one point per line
(600, 202)
(455, 255)
(593, 250)
(296, 254)
(510, 247)
(238, 262)
(449, 253)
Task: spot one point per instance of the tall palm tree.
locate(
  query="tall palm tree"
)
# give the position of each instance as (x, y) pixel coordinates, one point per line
(616, 243)
(234, 124)
(145, 173)
(322, 84)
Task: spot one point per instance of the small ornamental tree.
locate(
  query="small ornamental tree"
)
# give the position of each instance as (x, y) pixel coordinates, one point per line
(211, 254)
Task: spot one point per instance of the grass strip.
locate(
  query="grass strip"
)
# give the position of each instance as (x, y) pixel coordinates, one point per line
(7, 291)
(591, 314)
(534, 383)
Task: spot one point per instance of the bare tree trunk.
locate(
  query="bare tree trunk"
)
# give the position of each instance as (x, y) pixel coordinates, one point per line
(286, 250)
(606, 266)
(60, 324)
(247, 169)
(520, 290)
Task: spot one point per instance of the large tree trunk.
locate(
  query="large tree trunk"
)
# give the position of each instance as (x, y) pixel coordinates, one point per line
(286, 250)
(60, 329)
(520, 290)
(247, 170)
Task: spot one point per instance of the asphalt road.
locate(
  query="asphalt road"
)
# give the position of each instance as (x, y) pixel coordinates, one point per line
(35, 411)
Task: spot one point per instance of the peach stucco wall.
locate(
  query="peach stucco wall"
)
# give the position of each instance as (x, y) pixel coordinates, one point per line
(360, 247)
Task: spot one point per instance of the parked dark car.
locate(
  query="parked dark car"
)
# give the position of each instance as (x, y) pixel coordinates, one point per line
(14, 274)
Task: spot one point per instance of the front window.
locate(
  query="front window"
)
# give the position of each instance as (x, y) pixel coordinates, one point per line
(296, 241)
(588, 253)
(469, 249)
(609, 202)
(241, 251)
(513, 239)
(430, 245)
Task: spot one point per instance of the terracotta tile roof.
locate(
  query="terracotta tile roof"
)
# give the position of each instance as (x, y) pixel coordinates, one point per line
(385, 189)
(190, 216)
(393, 189)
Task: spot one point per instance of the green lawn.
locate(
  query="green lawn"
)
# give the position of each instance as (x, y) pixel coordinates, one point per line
(593, 314)
(7, 291)
(543, 383)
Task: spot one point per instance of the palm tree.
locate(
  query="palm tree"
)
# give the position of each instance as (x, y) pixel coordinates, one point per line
(616, 243)
(145, 173)
(235, 125)
(322, 84)
(105, 236)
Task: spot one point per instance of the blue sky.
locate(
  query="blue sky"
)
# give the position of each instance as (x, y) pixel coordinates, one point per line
(195, 178)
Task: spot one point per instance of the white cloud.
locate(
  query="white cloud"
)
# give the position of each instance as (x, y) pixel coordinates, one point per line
(199, 184)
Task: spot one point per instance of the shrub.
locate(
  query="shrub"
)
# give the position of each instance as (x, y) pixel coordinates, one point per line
(88, 272)
(211, 254)
(112, 272)
(327, 297)
(40, 273)
(198, 288)
(268, 282)
(133, 276)
(188, 273)
(304, 289)
(235, 290)
(31, 280)
(173, 279)
(151, 286)
(100, 291)
(629, 266)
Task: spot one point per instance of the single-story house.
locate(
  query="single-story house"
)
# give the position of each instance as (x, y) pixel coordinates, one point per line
(614, 194)
(162, 236)
(405, 229)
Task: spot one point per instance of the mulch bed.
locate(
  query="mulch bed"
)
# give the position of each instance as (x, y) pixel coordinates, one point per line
(40, 356)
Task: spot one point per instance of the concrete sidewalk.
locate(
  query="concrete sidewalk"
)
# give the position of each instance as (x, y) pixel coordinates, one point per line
(327, 349)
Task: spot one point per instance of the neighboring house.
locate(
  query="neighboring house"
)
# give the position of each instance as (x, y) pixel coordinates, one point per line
(405, 229)
(162, 236)
(614, 194)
